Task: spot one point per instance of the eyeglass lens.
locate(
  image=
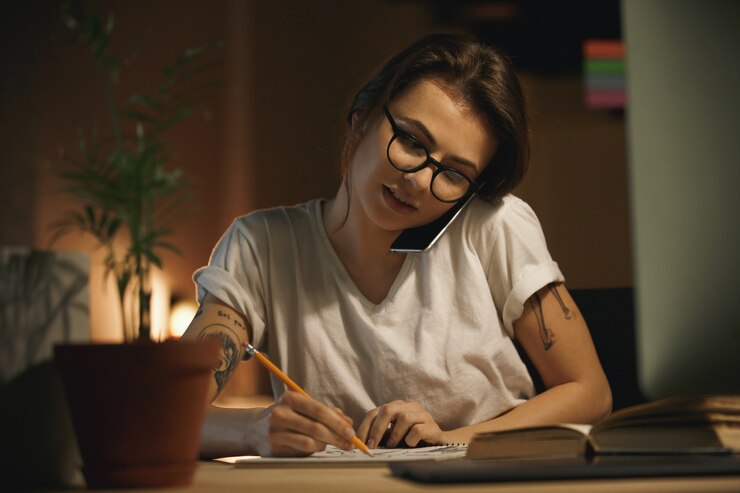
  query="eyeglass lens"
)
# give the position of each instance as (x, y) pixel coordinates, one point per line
(406, 154)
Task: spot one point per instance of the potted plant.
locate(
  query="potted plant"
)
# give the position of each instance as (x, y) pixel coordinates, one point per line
(137, 407)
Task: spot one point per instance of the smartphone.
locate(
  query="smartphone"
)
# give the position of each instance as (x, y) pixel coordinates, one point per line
(415, 240)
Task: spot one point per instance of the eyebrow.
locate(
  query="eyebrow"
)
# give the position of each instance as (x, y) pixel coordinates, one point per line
(423, 129)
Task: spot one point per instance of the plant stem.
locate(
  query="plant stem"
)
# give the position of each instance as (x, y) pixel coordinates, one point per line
(145, 299)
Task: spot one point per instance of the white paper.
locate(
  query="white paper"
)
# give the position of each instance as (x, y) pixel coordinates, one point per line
(333, 455)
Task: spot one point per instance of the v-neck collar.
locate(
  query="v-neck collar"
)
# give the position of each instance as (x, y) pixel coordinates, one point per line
(343, 274)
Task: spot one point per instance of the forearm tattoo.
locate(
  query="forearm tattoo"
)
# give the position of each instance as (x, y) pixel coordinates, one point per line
(546, 335)
(230, 351)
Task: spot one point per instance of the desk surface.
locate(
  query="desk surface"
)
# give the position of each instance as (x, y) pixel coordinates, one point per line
(216, 477)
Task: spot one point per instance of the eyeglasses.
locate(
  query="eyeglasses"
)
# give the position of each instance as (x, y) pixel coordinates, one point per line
(408, 155)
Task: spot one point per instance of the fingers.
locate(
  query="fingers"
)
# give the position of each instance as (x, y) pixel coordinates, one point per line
(343, 416)
(420, 432)
(378, 420)
(406, 422)
(326, 419)
(383, 418)
(298, 415)
(367, 422)
(290, 444)
(409, 423)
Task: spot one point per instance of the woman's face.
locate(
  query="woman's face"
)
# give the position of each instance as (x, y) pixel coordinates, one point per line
(451, 132)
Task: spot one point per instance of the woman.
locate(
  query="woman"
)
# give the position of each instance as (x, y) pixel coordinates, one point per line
(416, 347)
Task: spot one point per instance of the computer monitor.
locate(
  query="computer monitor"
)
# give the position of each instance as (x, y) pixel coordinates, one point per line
(683, 130)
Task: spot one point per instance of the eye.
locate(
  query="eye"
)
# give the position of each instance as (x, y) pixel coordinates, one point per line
(453, 177)
(409, 142)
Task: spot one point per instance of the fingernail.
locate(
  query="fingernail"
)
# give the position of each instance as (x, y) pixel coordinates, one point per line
(371, 443)
(349, 433)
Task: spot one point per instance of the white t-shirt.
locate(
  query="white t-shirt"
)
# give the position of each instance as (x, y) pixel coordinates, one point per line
(442, 336)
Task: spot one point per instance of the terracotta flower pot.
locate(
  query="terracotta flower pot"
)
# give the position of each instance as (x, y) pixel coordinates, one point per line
(137, 409)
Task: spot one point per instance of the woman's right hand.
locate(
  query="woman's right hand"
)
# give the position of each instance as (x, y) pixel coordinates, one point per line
(299, 426)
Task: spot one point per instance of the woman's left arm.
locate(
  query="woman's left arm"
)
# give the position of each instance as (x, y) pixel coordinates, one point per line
(555, 337)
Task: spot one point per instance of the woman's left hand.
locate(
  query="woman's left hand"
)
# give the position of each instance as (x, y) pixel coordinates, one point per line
(408, 419)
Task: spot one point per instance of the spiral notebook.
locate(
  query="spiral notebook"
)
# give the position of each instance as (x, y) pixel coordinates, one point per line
(333, 456)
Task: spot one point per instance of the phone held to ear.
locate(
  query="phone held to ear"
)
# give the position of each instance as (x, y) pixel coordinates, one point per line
(419, 239)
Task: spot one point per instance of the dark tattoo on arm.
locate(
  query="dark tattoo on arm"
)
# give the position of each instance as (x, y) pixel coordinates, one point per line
(236, 322)
(547, 336)
(230, 351)
(566, 311)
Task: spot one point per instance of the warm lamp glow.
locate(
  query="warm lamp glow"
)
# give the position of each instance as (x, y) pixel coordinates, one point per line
(160, 305)
(181, 315)
(105, 310)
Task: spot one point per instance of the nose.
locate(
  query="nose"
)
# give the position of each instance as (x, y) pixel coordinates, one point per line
(421, 179)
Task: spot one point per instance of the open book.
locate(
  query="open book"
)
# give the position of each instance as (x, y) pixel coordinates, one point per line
(676, 425)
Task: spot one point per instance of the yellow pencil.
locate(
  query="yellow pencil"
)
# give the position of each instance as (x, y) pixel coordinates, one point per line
(252, 351)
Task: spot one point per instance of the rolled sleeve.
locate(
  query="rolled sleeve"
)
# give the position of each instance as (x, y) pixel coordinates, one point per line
(519, 263)
(531, 281)
(234, 276)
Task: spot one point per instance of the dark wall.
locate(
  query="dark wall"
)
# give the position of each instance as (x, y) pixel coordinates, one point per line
(269, 131)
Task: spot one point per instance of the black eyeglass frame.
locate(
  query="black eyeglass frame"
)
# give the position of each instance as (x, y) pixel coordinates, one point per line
(473, 186)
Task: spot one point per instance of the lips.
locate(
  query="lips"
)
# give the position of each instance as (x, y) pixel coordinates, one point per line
(398, 202)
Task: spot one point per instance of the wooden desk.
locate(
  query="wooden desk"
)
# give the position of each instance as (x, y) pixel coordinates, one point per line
(217, 477)
(213, 477)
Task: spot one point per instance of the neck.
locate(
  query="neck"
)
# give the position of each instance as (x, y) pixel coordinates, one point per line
(353, 236)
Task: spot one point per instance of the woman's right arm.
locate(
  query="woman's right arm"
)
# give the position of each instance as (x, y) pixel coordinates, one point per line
(293, 426)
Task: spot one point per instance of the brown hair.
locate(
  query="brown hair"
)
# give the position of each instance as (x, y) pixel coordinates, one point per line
(480, 74)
